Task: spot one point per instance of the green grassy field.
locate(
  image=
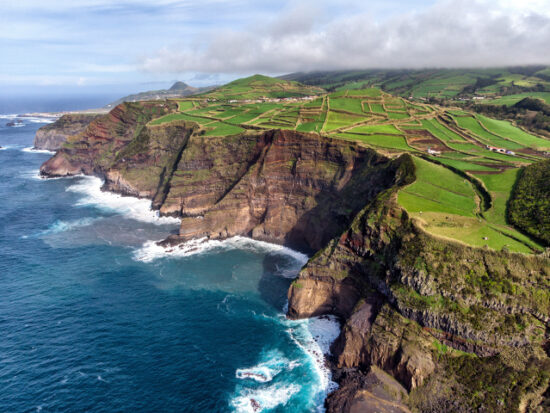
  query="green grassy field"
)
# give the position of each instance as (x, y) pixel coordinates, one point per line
(508, 131)
(450, 193)
(473, 126)
(347, 105)
(371, 129)
(259, 86)
(438, 83)
(449, 207)
(513, 99)
(441, 132)
(396, 142)
(443, 201)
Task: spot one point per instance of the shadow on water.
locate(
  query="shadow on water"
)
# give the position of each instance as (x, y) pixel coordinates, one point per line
(274, 282)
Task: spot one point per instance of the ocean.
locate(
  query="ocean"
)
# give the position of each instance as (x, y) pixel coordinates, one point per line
(95, 317)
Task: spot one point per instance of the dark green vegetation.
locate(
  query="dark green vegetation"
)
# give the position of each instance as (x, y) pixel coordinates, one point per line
(529, 207)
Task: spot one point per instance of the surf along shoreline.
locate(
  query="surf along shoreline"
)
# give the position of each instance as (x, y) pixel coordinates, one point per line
(313, 336)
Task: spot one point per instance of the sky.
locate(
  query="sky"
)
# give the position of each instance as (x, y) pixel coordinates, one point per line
(146, 44)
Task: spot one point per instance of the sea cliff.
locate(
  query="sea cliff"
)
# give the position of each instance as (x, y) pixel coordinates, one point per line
(428, 324)
(52, 136)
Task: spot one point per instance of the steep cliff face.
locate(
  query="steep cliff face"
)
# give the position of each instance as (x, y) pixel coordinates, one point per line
(94, 150)
(415, 304)
(145, 166)
(279, 186)
(51, 137)
(453, 325)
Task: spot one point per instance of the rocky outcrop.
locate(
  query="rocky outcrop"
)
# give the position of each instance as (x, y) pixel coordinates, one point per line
(372, 392)
(52, 136)
(391, 342)
(453, 325)
(94, 150)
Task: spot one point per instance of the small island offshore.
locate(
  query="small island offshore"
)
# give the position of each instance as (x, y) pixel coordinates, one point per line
(426, 215)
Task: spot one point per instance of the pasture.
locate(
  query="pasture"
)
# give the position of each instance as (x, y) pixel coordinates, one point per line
(449, 147)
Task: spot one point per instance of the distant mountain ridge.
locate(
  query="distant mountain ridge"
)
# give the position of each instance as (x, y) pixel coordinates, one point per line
(177, 90)
(434, 83)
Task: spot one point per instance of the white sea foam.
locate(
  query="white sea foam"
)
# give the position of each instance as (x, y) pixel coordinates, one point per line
(9, 116)
(63, 226)
(31, 174)
(314, 336)
(130, 207)
(266, 398)
(32, 119)
(273, 363)
(10, 147)
(151, 251)
(31, 149)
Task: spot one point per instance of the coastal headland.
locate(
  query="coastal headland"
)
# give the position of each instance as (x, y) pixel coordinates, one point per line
(431, 322)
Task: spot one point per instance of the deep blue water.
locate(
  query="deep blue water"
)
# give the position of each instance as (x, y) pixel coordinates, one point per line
(90, 320)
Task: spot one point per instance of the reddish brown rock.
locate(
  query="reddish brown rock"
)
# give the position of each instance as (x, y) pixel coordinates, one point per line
(94, 150)
(372, 392)
(51, 137)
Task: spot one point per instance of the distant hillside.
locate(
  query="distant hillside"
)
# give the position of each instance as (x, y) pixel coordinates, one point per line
(439, 83)
(177, 90)
(259, 86)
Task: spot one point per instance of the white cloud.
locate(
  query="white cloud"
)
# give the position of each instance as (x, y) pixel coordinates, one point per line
(455, 33)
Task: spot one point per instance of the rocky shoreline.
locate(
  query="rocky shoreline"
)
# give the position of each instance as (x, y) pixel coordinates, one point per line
(429, 325)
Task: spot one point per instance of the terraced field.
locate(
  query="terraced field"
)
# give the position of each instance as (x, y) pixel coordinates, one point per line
(439, 83)
(462, 186)
(257, 86)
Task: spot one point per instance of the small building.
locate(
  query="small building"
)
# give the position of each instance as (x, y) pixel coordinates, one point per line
(433, 152)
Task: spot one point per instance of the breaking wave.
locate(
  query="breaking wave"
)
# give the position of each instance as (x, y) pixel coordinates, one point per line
(258, 400)
(273, 363)
(134, 208)
(151, 250)
(313, 337)
(32, 149)
(31, 119)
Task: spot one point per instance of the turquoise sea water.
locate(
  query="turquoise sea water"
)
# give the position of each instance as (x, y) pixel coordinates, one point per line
(94, 317)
